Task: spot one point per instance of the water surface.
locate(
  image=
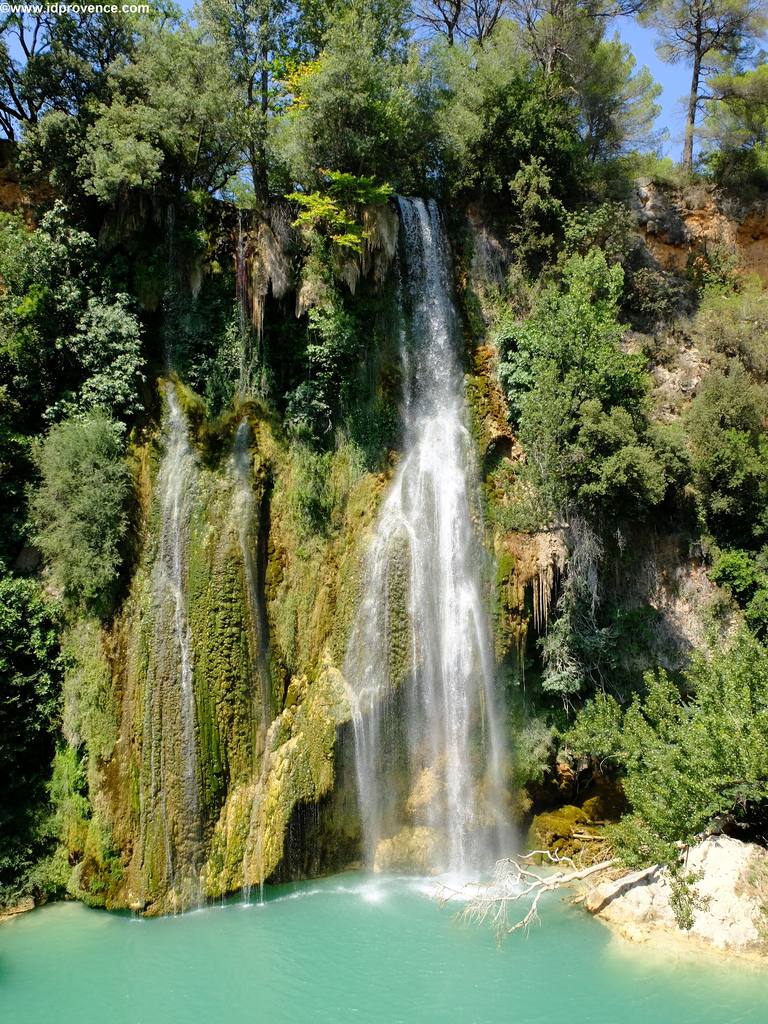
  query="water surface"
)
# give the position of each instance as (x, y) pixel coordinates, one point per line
(352, 948)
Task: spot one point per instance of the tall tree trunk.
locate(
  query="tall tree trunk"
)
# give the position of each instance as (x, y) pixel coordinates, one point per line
(260, 176)
(693, 103)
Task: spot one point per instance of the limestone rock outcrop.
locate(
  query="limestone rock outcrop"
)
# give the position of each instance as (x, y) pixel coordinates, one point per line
(731, 898)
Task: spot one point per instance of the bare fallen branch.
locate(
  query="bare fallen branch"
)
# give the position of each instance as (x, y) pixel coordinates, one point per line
(516, 882)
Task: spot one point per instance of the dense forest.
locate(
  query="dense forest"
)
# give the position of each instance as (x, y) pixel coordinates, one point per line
(199, 228)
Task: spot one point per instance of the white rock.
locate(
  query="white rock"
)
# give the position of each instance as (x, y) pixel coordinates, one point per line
(733, 889)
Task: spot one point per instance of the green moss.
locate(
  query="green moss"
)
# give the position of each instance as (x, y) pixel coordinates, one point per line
(90, 713)
(298, 767)
(568, 832)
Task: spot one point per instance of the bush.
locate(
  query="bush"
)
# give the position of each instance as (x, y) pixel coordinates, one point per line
(30, 686)
(580, 403)
(730, 456)
(80, 510)
(735, 325)
(689, 765)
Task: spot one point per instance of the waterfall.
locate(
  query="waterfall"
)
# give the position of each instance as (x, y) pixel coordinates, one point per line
(429, 746)
(170, 810)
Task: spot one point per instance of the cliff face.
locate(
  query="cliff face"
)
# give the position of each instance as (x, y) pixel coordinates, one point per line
(676, 225)
(259, 622)
(211, 715)
(205, 714)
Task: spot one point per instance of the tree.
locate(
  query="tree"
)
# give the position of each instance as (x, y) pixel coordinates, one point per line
(364, 107)
(738, 108)
(499, 115)
(690, 765)
(729, 459)
(560, 34)
(66, 341)
(253, 37)
(58, 62)
(579, 403)
(736, 130)
(467, 19)
(107, 347)
(710, 34)
(80, 510)
(172, 120)
(617, 104)
(441, 16)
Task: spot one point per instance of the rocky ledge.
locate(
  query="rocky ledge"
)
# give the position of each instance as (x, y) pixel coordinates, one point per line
(732, 900)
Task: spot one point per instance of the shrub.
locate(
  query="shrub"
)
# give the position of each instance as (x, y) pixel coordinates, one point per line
(689, 765)
(730, 456)
(30, 683)
(579, 402)
(80, 510)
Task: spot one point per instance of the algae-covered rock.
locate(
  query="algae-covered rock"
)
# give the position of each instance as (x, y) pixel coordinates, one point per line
(413, 849)
(568, 832)
(297, 766)
(606, 802)
(556, 831)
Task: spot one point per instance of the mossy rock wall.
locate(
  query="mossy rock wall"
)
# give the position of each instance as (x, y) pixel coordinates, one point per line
(268, 693)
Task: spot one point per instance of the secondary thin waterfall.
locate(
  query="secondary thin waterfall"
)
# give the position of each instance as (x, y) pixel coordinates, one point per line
(170, 811)
(428, 741)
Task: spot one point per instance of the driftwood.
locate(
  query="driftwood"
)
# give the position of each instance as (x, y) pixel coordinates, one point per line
(515, 881)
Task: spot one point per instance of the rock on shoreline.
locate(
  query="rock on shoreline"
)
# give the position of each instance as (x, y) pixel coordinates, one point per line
(22, 907)
(733, 891)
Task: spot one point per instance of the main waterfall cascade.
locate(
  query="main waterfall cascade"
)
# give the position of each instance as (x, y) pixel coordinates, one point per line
(429, 746)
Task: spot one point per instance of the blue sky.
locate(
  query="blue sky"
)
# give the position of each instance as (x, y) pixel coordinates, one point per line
(675, 80)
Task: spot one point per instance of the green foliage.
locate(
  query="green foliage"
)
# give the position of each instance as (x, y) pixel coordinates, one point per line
(539, 214)
(730, 456)
(80, 510)
(164, 120)
(333, 343)
(617, 105)
(579, 402)
(736, 131)
(532, 751)
(333, 210)
(107, 345)
(578, 649)
(67, 342)
(735, 325)
(597, 728)
(90, 715)
(30, 680)
(498, 115)
(707, 34)
(745, 576)
(691, 764)
(711, 269)
(363, 106)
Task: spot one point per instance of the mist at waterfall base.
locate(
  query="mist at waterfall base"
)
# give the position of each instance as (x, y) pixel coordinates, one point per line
(353, 947)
